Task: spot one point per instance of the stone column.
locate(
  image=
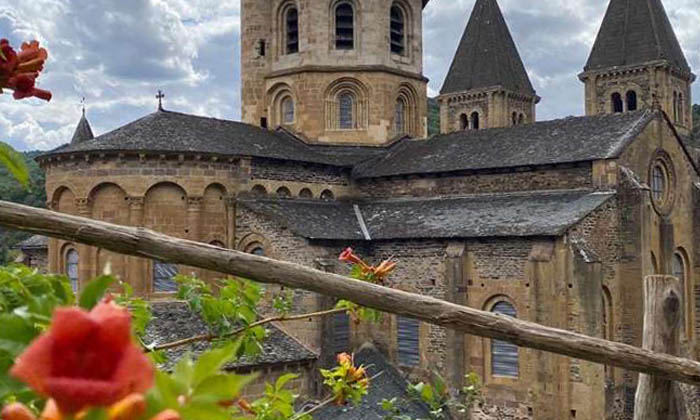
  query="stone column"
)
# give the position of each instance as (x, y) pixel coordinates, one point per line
(136, 267)
(86, 265)
(231, 222)
(456, 280)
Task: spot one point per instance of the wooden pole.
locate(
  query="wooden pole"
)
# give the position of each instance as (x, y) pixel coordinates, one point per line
(662, 319)
(144, 243)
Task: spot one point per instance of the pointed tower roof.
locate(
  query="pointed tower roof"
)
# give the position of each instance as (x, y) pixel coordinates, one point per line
(83, 132)
(636, 32)
(487, 55)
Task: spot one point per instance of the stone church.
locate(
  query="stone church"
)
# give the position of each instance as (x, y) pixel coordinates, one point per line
(556, 222)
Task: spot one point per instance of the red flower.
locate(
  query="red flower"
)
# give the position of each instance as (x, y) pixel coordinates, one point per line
(86, 359)
(349, 256)
(18, 71)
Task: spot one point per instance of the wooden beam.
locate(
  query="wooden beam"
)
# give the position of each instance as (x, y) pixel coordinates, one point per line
(148, 244)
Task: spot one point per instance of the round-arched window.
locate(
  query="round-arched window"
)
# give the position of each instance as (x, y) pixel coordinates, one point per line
(259, 190)
(617, 104)
(72, 262)
(463, 122)
(292, 31)
(344, 27)
(287, 110)
(475, 123)
(306, 193)
(327, 195)
(661, 183)
(504, 355)
(397, 30)
(284, 192)
(346, 111)
(258, 250)
(400, 116)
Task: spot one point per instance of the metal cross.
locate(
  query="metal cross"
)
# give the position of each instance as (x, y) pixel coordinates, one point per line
(160, 97)
(82, 103)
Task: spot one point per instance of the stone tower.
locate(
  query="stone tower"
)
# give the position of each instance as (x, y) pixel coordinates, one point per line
(637, 60)
(487, 85)
(335, 71)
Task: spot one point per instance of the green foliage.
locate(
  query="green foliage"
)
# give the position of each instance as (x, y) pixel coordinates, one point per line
(435, 395)
(392, 410)
(346, 382)
(283, 302)
(433, 117)
(14, 163)
(94, 291)
(27, 301)
(276, 404)
(359, 313)
(233, 308)
(140, 312)
(11, 190)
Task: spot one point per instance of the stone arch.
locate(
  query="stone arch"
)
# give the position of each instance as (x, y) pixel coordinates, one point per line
(277, 97)
(283, 192)
(502, 358)
(463, 122)
(165, 209)
(475, 122)
(306, 193)
(346, 25)
(339, 90)
(682, 269)
(616, 103)
(254, 241)
(408, 96)
(259, 190)
(286, 36)
(327, 195)
(108, 202)
(64, 200)
(400, 45)
(213, 216)
(631, 100)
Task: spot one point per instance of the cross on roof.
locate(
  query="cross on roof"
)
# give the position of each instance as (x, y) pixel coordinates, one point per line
(82, 104)
(160, 97)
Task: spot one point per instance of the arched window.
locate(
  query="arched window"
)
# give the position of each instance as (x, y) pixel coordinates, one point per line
(398, 30)
(346, 111)
(258, 250)
(400, 116)
(292, 30)
(408, 341)
(306, 193)
(164, 277)
(288, 110)
(617, 105)
(658, 183)
(284, 192)
(474, 123)
(515, 118)
(504, 356)
(327, 195)
(681, 109)
(344, 27)
(72, 261)
(675, 107)
(631, 100)
(463, 122)
(259, 190)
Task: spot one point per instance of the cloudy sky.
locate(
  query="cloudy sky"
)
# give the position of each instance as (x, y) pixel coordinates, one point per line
(118, 53)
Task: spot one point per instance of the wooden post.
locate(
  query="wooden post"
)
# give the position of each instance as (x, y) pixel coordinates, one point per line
(662, 316)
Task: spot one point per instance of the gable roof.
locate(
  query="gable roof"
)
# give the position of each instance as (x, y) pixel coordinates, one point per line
(487, 55)
(33, 242)
(568, 140)
(83, 132)
(538, 213)
(388, 385)
(636, 32)
(174, 132)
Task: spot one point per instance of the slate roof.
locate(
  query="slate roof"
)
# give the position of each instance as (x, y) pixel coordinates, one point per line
(540, 213)
(175, 321)
(390, 384)
(83, 132)
(174, 132)
(487, 55)
(33, 242)
(636, 32)
(568, 140)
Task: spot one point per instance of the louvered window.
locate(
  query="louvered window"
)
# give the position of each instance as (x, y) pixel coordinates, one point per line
(341, 333)
(504, 356)
(164, 277)
(408, 337)
(344, 27)
(398, 34)
(292, 22)
(72, 261)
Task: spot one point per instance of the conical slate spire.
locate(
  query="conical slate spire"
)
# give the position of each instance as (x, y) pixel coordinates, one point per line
(636, 32)
(487, 55)
(83, 132)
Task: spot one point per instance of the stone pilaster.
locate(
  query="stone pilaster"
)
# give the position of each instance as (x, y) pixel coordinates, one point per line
(136, 271)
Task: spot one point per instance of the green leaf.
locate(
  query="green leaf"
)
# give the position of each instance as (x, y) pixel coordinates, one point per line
(201, 411)
(96, 414)
(14, 162)
(16, 333)
(94, 291)
(211, 362)
(282, 380)
(221, 387)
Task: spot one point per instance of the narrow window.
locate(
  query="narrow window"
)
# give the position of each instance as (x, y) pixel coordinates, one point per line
(617, 105)
(658, 183)
(306, 193)
(631, 100)
(284, 192)
(681, 109)
(397, 29)
(344, 27)
(72, 261)
(292, 22)
(341, 333)
(261, 48)
(288, 110)
(521, 119)
(475, 121)
(504, 356)
(408, 338)
(678, 271)
(463, 122)
(515, 118)
(675, 107)
(164, 277)
(263, 122)
(327, 195)
(346, 109)
(400, 117)
(259, 190)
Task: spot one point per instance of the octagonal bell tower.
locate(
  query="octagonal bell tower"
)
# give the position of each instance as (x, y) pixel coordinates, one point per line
(335, 71)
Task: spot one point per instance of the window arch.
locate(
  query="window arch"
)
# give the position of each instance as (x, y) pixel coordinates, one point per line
(291, 30)
(327, 195)
(344, 26)
(346, 105)
(72, 264)
(463, 122)
(397, 29)
(259, 190)
(258, 250)
(504, 355)
(287, 110)
(617, 105)
(679, 269)
(408, 341)
(283, 192)
(474, 122)
(306, 193)
(515, 118)
(217, 243)
(164, 277)
(400, 116)
(631, 100)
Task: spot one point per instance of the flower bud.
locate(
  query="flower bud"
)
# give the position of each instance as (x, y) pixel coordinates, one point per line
(131, 407)
(16, 411)
(167, 415)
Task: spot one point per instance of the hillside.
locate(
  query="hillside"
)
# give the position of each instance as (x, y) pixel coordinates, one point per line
(10, 190)
(433, 117)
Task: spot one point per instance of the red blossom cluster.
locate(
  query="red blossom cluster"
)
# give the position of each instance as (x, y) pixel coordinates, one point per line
(378, 273)
(19, 70)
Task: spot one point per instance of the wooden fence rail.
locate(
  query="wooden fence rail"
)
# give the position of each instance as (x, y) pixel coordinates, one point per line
(148, 244)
